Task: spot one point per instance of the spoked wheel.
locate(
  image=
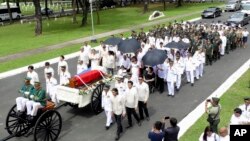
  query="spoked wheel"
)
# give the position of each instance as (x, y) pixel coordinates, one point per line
(48, 126)
(16, 124)
(96, 99)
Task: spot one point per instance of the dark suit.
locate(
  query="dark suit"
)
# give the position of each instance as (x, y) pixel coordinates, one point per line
(171, 133)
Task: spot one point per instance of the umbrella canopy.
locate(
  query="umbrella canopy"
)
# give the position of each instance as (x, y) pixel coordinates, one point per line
(154, 57)
(129, 46)
(173, 44)
(113, 41)
(185, 45)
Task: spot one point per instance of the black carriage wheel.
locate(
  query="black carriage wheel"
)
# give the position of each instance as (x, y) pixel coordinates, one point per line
(48, 126)
(16, 124)
(96, 99)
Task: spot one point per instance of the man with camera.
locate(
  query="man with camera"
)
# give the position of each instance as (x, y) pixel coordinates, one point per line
(171, 133)
(213, 113)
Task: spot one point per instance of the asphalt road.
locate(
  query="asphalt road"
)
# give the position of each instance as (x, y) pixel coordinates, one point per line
(83, 125)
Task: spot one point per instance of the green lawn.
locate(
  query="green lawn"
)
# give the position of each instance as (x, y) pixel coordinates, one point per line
(55, 53)
(230, 100)
(18, 38)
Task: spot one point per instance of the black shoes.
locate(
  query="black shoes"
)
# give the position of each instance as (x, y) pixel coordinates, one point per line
(117, 137)
(139, 123)
(147, 118)
(107, 127)
(129, 126)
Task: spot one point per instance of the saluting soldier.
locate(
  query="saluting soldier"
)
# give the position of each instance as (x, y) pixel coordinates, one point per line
(37, 101)
(24, 91)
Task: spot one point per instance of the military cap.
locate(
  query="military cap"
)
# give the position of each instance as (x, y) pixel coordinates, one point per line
(27, 78)
(37, 82)
(247, 98)
(215, 99)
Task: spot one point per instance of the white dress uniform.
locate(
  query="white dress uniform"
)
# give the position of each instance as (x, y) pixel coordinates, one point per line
(135, 69)
(189, 68)
(95, 59)
(84, 56)
(104, 55)
(176, 39)
(34, 77)
(151, 40)
(245, 111)
(238, 120)
(64, 78)
(180, 66)
(107, 106)
(197, 61)
(171, 78)
(126, 63)
(202, 59)
(158, 41)
(51, 89)
(62, 63)
(223, 45)
(121, 87)
(47, 70)
(81, 68)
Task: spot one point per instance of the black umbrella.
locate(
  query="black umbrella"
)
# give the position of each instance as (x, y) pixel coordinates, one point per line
(129, 46)
(113, 41)
(173, 44)
(185, 45)
(154, 57)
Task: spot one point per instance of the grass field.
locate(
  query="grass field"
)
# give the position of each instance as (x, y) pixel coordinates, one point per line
(18, 38)
(5, 66)
(230, 100)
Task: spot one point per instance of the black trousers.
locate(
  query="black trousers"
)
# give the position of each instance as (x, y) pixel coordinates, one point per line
(160, 83)
(143, 107)
(118, 119)
(130, 112)
(209, 59)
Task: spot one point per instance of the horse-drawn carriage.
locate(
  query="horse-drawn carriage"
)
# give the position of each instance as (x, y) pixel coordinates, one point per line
(84, 89)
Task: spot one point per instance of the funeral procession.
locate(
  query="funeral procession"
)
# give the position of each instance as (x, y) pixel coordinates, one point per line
(127, 70)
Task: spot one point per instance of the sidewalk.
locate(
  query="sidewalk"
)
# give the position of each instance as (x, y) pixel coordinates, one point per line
(81, 40)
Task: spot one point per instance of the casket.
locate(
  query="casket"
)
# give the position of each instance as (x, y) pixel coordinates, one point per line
(86, 78)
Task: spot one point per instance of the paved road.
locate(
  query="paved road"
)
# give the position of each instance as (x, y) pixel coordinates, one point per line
(82, 125)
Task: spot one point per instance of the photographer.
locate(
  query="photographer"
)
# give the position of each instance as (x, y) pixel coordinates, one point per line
(171, 133)
(156, 134)
(213, 113)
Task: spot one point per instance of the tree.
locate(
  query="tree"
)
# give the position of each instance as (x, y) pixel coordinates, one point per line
(164, 5)
(145, 7)
(9, 11)
(17, 3)
(38, 17)
(46, 8)
(179, 3)
(84, 4)
(97, 3)
(74, 11)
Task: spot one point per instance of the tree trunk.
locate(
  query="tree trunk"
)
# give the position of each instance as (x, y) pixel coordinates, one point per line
(164, 5)
(145, 8)
(9, 11)
(17, 3)
(25, 2)
(38, 17)
(85, 12)
(97, 3)
(74, 12)
(51, 2)
(46, 8)
(179, 3)
(77, 7)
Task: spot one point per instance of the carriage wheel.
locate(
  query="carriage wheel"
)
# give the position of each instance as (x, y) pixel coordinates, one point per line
(96, 99)
(48, 126)
(16, 124)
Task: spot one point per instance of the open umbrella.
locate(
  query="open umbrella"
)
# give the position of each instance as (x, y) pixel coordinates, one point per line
(185, 45)
(129, 46)
(113, 41)
(174, 45)
(154, 57)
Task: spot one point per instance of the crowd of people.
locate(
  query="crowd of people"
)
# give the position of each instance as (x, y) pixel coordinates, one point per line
(134, 80)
